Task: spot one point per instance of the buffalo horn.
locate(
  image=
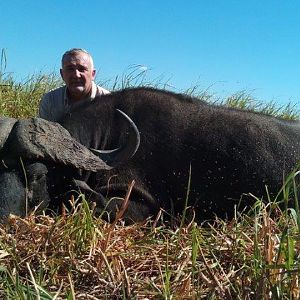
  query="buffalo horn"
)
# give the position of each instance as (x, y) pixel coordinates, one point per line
(38, 139)
(123, 153)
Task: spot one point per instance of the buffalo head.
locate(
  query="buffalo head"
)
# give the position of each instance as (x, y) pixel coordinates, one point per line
(40, 159)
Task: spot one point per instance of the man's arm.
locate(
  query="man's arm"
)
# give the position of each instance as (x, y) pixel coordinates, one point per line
(52, 106)
(44, 108)
(102, 91)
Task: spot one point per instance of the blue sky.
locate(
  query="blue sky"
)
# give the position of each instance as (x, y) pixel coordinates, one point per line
(223, 46)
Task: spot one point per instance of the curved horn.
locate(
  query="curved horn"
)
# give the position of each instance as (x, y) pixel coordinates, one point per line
(38, 139)
(116, 156)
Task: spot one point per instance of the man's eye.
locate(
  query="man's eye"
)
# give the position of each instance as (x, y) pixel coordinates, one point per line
(82, 69)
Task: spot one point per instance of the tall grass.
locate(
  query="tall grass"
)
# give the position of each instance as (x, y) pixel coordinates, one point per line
(244, 100)
(78, 256)
(253, 256)
(20, 99)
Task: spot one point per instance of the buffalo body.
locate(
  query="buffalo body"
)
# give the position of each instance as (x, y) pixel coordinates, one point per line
(226, 153)
(212, 156)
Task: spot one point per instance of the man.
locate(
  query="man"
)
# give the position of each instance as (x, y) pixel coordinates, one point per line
(78, 73)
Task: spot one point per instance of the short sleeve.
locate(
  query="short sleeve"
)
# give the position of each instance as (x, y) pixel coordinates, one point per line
(44, 109)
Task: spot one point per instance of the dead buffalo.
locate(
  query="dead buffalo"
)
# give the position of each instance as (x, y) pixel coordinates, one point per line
(40, 161)
(225, 153)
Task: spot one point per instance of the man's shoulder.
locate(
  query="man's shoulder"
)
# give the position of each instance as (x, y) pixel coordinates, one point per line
(102, 91)
(56, 92)
(52, 105)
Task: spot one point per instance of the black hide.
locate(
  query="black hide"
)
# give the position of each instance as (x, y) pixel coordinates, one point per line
(224, 152)
(23, 189)
(229, 152)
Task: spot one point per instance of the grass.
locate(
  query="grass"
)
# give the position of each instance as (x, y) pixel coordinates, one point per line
(78, 256)
(20, 99)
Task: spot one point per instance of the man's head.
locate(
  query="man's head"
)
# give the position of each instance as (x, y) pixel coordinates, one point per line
(77, 71)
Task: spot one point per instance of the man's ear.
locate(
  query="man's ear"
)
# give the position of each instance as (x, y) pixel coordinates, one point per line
(93, 74)
(61, 73)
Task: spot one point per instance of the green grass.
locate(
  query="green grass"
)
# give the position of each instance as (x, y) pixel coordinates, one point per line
(20, 99)
(78, 256)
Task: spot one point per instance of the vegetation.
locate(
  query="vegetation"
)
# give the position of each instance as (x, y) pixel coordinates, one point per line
(78, 256)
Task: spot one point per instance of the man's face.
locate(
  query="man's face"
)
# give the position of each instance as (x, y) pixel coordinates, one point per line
(78, 74)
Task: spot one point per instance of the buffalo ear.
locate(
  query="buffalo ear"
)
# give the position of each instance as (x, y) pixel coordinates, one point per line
(38, 139)
(83, 186)
(96, 197)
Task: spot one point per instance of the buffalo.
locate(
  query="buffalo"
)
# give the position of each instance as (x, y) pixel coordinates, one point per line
(40, 160)
(186, 152)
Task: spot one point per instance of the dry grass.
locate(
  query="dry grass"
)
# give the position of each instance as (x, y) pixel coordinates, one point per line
(79, 256)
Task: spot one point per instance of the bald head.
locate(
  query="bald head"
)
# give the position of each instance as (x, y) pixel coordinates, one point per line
(75, 52)
(77, 71)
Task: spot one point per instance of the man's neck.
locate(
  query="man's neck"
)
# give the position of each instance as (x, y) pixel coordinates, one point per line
(73, 98)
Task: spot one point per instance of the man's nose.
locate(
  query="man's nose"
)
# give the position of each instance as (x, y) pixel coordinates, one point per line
(76, 73)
